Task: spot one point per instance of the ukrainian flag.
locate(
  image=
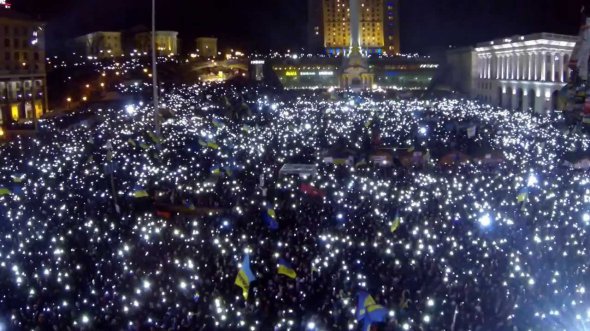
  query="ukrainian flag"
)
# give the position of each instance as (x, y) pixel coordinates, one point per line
(4, 191)
(154, 137)
(139, 193)
(212, 144)
(270, 218)
(208, 143)
(18, 178)
(218, 124)
(340, 161)
(216, 170)
(369, 311)
(286, 269)
(245, 276)
(229, 171)
(396, 222)
(522, 195)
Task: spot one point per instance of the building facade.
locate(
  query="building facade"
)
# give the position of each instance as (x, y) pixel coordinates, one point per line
(23, 80)
(388, 73)
(166, 42)
(207, 47)
(522, 72)
(101, 44)
(329, 24)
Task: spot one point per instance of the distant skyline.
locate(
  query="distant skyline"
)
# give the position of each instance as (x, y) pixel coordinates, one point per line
(426, 25)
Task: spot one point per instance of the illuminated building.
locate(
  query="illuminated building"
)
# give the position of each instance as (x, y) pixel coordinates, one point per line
(166, 42)
(391, 73)
(101, 44)
(329, 25)
(522, 72)
(23, 80)
(207, 47)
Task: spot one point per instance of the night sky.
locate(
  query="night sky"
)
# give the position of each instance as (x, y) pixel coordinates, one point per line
(426, 25)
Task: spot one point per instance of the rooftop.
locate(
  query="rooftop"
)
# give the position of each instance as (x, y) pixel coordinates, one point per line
(552, 39)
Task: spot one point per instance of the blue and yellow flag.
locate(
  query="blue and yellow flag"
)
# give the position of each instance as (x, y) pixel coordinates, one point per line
(245, 276)
(286, 269)
(18, 178)
(139, 192)
(213, 145)
(216, 170)
(208, 143)
(396, 222)
(270, 218)
(246, 129)
(143, 145)
(218, 124)
(4, 191)
(154, 137)
(522, 195)
(369, 311)
(339, 161)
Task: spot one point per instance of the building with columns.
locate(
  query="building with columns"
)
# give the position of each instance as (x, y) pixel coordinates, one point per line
(166, 42)
(23, 80)
(100, 44)
(522, 72)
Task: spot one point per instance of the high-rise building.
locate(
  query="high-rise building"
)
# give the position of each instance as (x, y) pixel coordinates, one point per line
(391, 26)
(23, 96)
(329, 23)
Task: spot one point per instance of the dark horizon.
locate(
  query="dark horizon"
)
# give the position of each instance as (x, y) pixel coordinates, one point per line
(426, 25)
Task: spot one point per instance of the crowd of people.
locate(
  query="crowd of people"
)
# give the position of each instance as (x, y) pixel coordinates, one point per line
(104, 225)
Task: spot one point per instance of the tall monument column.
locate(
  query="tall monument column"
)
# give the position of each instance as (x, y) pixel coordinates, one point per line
(355, 74)
(355, 25)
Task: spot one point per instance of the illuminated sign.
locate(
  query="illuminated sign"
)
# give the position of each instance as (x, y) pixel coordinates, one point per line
(307, 73)
(326, 73)
(291, 73)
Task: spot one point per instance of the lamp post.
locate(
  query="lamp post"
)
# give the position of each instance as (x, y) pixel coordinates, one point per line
(154, 71)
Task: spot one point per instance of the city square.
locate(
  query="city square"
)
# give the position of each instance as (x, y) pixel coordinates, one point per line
(352, 188)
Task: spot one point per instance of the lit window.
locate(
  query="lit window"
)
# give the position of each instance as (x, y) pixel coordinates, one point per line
(15, 111)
